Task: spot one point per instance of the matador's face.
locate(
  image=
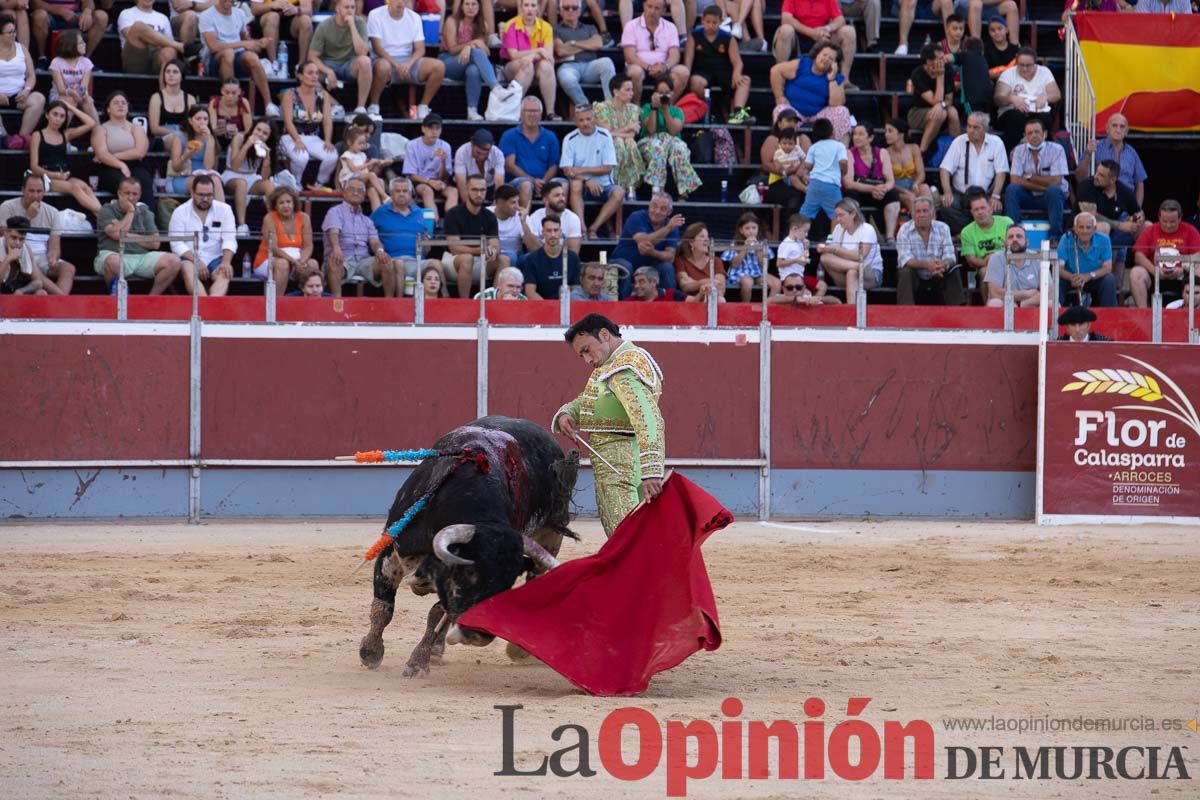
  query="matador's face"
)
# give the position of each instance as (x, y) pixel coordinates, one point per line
(594, 350)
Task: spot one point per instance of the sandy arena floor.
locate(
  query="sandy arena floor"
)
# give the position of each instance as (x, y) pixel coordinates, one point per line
(161, 660)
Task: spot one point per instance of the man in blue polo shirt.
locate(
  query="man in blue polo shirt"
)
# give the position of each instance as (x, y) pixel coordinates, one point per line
(649, 238)
(400, 225)
(1086, 266)
(531, 152)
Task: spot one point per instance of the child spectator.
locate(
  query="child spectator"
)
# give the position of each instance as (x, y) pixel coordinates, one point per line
(312, 284)
(826, 161)
(712, 58)
(71, 73)
(428, 163)
(793, 250)
(355, 164)
(747, 260)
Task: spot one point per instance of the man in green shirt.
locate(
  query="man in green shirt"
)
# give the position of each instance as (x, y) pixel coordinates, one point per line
(340, 49)
(618, 409)
(126, 216)
(984, 236)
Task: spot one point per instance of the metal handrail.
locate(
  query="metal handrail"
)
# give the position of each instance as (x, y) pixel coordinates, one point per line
(1079, 107)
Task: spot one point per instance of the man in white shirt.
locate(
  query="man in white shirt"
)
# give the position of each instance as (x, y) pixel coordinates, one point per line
(1023, 91)
(228, 52)
(46, 247)
(397, 39)
(147, 42)
(555, 204)
(588, 159)
(975, 158)
(270, 14)
(214, 221)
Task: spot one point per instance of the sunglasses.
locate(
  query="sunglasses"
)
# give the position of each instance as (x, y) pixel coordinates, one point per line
(793, 287)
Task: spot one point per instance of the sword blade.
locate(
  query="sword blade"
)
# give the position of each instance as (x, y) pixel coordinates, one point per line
(597, 456)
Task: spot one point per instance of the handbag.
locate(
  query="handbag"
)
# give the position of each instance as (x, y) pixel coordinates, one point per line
(504, 106)
(701, 146)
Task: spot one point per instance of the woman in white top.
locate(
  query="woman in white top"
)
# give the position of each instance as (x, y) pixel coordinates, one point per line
(1023, 91)
(248, 169)
(851, 257)
(16, 83)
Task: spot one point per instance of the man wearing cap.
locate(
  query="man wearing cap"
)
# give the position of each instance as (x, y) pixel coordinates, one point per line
(481, 157)
(1078, 321)
(428, 163)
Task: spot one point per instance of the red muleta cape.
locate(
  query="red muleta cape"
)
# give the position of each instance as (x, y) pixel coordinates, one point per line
(642, 604)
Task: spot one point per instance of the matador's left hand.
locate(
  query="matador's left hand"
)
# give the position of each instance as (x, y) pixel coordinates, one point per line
(651, 487)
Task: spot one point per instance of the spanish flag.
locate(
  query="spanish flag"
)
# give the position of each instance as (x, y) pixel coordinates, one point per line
(1145, 66)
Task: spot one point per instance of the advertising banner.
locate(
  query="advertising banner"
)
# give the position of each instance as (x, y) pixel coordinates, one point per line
(1121, 433)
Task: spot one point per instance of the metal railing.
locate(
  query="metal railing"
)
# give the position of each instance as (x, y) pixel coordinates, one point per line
(1079, 105)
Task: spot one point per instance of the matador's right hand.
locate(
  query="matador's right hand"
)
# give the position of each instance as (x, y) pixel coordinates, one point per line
(567, 425)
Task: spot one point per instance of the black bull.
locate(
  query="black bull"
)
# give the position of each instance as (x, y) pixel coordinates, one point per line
(499, 493)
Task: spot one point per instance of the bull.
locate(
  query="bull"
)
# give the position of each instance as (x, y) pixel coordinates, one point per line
(496, 505)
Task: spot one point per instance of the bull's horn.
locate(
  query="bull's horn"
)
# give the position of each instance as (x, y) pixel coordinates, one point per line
(539, 554)
(452, 534)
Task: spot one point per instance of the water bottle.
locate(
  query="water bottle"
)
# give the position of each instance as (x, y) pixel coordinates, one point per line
(631, 195)
(247, 267)
(707, 104)
(281, 60)
(724, 191)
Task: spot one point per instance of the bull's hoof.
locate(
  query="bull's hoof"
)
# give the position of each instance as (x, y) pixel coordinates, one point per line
(412, 670)
(516, 652)
(370, 652)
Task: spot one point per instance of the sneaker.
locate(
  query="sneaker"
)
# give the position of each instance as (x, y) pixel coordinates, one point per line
(902, 50)
(268, 67)
(736, 30)
(474, 116)
(607, 41)
(849, 87)
(740, 116)
(243, 230)
(494, 41)
(373, 112)
(42, 63)
(359, 110)
(757, 45)
(338, 112)
(273, 111)
(423, 111)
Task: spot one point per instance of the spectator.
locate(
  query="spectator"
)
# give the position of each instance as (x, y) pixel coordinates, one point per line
(1007, 14)
(481, 157)
(821, 22)
(45, 247)
(908, 165)
(19, 274)
(466, 56)
(17, 79)
(932, 88)
(248, 169)
(306, 110)
(595, 8)
(794, 292)
(531, 152)
(1038, 178)
(571, 226)
(1022, 92)
(953, 28)
(1163, 7)
(747, 260)
(983, 236)
(649, 238)
(510, 223)
(651, 47)
(908, 10)
(62, 15)
(19, 11)
(852, 258)
(588, 160)
(228, 51)
(591, 284)
(48, 154)
(341, 51)
(975, 87)
(813, 87)
(662, 143)
(311, 285)
(735, 13)
(976, 158)
(1018, 277)
(529, 50)
(401, 226)
(428, 164)
(697, 266)
(120, 145)
(870, 179)
(683, 15)
(1116, 209)
(471, 223)
(621, 118)
(185, 18)
(713, 60)
(793, 256)
(1114, 147)
(125, 217)
(355, 164)
(1078, 322)
(870, 12)
(286, 247)
(508, 286)
(352, 247)
(543, 266)
(71, 73)
(575, 47)
(212, 219)
(169, 105)
(193, 152)
(1172, 234)
(229, 112)
(270, 14)
(999, 50)
(646, 289)
(1086, 265)
(431, 281)
(147, 42)
(925, 258)
(398, 39)
(827, 162)
(787, 178)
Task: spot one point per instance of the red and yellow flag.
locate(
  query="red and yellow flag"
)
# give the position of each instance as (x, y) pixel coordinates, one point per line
(1145, 66)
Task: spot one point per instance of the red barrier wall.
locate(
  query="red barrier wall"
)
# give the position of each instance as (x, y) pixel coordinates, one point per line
(70, 398)
(881, 406)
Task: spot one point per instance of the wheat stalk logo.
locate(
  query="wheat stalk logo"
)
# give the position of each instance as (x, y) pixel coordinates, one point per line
(1142, 386)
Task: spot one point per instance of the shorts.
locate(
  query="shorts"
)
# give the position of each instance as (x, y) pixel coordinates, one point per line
(924, 10)
(722, 80)
(340, 68)
(60, 24)
(135, 265)
(395, 76)
(916, 117)
(363, 270)
(451, 275)
(239, 67)
(605, 192)
(142, 60)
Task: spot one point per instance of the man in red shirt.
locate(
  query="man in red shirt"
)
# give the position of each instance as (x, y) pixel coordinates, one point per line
(815, 21)
(1169, 232)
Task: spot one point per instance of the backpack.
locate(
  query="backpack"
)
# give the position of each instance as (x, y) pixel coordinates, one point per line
(724, 153)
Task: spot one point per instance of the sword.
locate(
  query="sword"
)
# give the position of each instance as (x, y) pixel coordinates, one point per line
(597, 456)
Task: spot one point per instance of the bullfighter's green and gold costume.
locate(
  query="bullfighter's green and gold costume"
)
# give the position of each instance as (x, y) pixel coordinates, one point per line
(618, 409)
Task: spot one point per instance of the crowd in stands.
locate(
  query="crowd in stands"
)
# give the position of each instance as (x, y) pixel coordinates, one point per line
(959, 186)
